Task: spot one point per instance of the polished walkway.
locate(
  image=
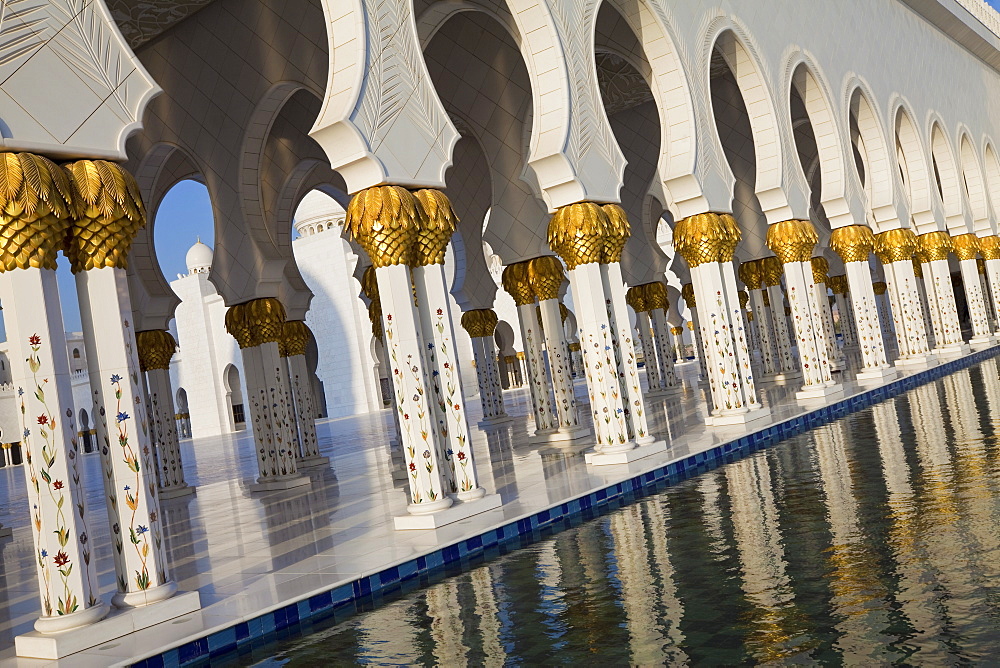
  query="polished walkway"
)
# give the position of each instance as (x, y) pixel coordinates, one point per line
(250, 552)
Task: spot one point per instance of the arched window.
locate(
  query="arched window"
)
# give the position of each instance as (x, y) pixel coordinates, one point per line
(76, 353)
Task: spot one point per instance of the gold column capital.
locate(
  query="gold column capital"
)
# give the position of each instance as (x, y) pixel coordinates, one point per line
(385, 221)
(879, 287)
(369, 282)
(706, 237)
(574, 347)
(636, 298)
(256, 322)
(744, 298)
(853, 243)
(690, 325)
(751, 275)
(687, 292)
(437, 222)
(37, 205)
(656, 295)
(981, 266)
(617, 233)
(935, 246)
(895, 245)
(109, 213)
(375, 316)
(155, 348)
(676, 331)
(480, 323)
(966, 246)
(771, 271)
(545, 277)
(918, 270)
(838, 284)
(792, 240)
(989, 247)
(295, 336)
(577, 233)
(563, 312)
(515, 282)
(820, 269)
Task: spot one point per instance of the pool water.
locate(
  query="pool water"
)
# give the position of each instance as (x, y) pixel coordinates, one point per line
(873, 539)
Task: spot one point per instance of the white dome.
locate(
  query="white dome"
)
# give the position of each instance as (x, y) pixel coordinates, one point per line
(199, 258)
(315, 211)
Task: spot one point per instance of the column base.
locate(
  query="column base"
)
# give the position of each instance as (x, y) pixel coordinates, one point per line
(917, 361)
(312, 462)
(783, 377)
(731, 419)
(595, 458)
(982, 342)
(952, 350)
(269, 484)
(561, 435)
(459, 510)
(486, 423)
(176, 492)
(822, 392)
(36, 645)
(876, 376)
(142, 598)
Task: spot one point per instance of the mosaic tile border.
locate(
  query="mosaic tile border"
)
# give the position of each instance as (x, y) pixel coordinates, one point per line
(367, 592)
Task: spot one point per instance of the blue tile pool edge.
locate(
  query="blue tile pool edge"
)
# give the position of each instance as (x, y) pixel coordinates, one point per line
(532, 528)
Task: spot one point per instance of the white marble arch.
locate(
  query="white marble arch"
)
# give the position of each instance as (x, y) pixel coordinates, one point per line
(992, 175)
(975, 185)
(840, 196)
(957, 217)
(778, 185)
(914, 163)
(885, 203)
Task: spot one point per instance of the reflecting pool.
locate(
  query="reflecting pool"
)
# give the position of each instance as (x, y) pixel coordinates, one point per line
(872, 539)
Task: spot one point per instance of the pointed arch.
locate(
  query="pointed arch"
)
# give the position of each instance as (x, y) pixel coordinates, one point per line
(880, 180)
(947, 175)
(914, 169)
(975, 185)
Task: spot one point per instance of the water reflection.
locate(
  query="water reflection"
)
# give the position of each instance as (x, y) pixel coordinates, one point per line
(870, 540)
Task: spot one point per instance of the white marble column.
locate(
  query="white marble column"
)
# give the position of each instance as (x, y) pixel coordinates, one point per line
(700, 354)
(295, 340)
(545, 276)
(655, 294)
(990, 248)
(128, 460)
(908, 317)
(935, 247)
(578, 233)
(257, 326)
(644, 329)
(481, 325)
(751, 274)
(772, 272)
(63, 552)
(677, 344)
(884, 313)
(155, 348)
(966, 248)
(793, 241)
(854, 243)
(820, 273)
(733, 393)
(984, 285)
(848, 329)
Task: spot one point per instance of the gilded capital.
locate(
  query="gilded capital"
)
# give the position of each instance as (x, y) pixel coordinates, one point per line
(574, 347)
(966, 246)
(677, 331)
(480, 323)
(563, 312)
(935, 246)
(744, 298)
(895, 245)
(853, 243)
(981, 266)
(545, 276)
(989, 247)
(437, 222)
(636, 298)
(879, 287)
(577, 233)
(918, 270)
(109, 213)
(617, 233)
(515, 282)
(838, 284)
(690, 325)
(295, 336)
(770, 269)
(820, 269)
(656, 295)
(706, 237)
(792, 240)
(751, 275)
(36, 209)
(375, 315)
(385, 221)
(155, 348)
(369, 283)
(687, 292)
(239, 327)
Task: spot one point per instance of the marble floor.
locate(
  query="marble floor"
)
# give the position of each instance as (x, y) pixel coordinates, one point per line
(250, 552)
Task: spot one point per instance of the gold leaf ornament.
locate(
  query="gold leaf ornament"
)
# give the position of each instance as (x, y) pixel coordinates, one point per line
(385, 221)
(636, 298)
(545, 276)
(820, 269)
(515, 282)
(108, 213)
(294, 339)
(989, 247)
(879, 287)
(438, 221)
(706, 237)
(656, 296)
(480, 323)
(895, 245)
(935, 246)
(687, 292)
(617, 233)
(577, 233)
(751, 275)
(36, 208)
(792, 240)
(155, 347)
(966, 246)
(369, 283)
(853, 243)
(771, 271)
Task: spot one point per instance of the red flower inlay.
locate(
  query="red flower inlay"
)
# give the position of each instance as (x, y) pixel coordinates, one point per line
(413, 467)
(34, 340)
(43, 419)
(61, 558)
(58, 484)
(461, 456)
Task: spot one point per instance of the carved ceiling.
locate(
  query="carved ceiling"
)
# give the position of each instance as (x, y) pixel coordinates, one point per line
(143, 20)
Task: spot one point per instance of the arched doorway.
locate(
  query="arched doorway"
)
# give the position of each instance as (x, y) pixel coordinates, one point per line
(86, 434)
(183, 416)
(234, 398)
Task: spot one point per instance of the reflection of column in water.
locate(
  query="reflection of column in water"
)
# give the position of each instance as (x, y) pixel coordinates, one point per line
(991, 390)
(389, 635)
(447, 628)
(762, 557)
(708, 486)
(500, 445)
(853, 576)
(560, 482)
(671, 607)
(631, 551)
(488, 613)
